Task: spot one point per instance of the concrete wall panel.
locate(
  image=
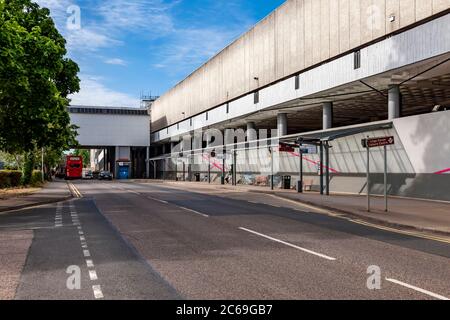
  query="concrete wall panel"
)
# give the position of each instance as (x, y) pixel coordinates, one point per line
(407, 12)
(440, 5)
(344, 25)
(299, 34)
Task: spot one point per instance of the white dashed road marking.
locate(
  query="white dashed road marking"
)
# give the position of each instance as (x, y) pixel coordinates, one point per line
(193, 211)
(429, 293)
(289, 244)
(98, 294)
(93, 275)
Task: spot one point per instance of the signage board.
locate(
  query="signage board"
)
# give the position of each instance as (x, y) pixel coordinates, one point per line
(309, 149)
(378, 142)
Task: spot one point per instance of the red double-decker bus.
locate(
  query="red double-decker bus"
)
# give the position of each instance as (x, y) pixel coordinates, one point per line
(74, 167)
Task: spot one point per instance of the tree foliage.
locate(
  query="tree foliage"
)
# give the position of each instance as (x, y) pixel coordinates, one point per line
(35, 80)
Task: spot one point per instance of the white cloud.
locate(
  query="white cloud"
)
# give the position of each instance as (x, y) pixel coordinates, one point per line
(189, 48)
(94, 93)
(116, 61)
(150, 17)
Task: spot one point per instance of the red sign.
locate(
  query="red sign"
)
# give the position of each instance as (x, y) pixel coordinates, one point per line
(380, 142)
(286, 148)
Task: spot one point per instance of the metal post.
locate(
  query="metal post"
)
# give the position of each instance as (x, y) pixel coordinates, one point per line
(42, 165)
(385, 180)
(368, 179)
(147, 163)
(234, 168)
(321, 168)
(327, 165)
(184, 170)
(209, 169)
(300, 184)
(154, 170)
(223, 167)
(271, 168)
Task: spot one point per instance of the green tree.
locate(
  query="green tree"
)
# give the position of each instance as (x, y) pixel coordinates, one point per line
(35, 81)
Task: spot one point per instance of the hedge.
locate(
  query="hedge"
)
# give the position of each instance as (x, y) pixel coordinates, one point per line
(36, 178)
(9, 179)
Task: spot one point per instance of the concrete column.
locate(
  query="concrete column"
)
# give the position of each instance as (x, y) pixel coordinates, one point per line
(282, 124)
(394, 102)
(327, 115)
(251, 132)
(147, 163)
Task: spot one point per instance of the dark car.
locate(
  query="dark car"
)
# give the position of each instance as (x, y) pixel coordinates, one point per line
(89, 175)
(105, 175)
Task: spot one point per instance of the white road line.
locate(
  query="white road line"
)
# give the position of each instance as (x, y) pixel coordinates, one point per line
(86, 253)
(193, 211)
(82, 238)
(158, 200)
(93, 275)
(289, 244)
(429, 293)
(84, 246)
(98, 294)
(90, 263)
(81, 233)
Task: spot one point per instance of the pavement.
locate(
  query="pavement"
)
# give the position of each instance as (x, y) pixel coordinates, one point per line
(161, 241)
(51, 192)
(427, 216)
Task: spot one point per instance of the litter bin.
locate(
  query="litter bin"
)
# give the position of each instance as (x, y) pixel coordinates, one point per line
(287, 182)
(197, 177)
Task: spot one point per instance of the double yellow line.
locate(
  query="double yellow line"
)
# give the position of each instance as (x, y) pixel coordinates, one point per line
(74, 190)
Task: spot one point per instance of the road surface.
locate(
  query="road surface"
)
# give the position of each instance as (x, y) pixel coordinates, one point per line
(152, 241)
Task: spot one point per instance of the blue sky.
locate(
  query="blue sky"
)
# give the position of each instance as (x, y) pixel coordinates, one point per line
(125, 47)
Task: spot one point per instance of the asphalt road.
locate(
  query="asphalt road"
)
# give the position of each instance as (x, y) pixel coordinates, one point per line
(149, 241)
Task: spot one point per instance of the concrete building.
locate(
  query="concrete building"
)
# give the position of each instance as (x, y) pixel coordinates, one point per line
(119, 139)
(340, 70)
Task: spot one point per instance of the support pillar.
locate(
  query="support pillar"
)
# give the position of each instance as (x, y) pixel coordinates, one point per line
(394, 103)
(327, 115)
(282, 125)
(251, 132)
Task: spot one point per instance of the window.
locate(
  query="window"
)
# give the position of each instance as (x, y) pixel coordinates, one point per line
(228, 108)
(256, 97)
(297, 82)
(190, 122)
(357, 59)
(178, 126)
(207, 116)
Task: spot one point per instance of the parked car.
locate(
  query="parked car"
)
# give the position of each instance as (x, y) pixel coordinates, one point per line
(89, 175)
(105, 175)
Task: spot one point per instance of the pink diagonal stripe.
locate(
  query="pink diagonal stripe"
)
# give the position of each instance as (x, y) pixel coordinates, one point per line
(314, 162)
(443, 171)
